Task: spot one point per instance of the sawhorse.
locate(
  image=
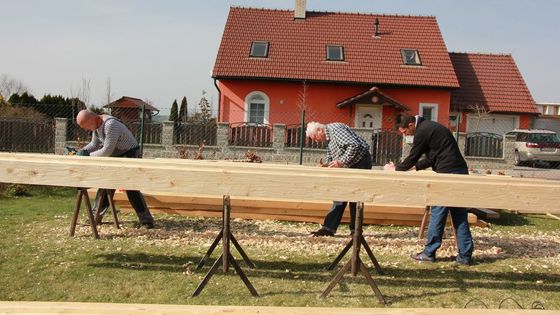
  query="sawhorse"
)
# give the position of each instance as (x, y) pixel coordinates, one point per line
(225, 258)
(355, 262)
(93, 219)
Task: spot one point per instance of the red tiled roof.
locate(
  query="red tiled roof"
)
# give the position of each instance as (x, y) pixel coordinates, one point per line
(297, 49)
(491, 81)
(131, 102)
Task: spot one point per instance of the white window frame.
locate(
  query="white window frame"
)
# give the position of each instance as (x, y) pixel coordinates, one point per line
(259, 42)
(341, 50)
(417, 59)
(434, 106)
(266, 105)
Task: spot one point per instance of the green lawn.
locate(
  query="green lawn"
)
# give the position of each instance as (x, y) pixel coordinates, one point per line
(518, 257)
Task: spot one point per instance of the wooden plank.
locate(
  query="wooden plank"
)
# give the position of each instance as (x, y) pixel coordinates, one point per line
(388, 220)
(308, 183)
(485, 213)
(51, 308)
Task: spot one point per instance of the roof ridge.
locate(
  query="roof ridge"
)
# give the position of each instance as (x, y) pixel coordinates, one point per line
(479, 53)
(341, 12)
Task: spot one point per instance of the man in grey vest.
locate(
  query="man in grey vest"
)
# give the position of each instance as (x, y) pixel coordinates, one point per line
(110, 137)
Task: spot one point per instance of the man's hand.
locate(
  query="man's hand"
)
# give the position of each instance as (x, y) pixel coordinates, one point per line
(336, 163)
(389, 166)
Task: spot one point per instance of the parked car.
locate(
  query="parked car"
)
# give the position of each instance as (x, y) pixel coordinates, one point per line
(533, 145)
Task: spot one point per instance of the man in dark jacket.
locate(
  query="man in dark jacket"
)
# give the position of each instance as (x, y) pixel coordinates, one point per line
(443, 155)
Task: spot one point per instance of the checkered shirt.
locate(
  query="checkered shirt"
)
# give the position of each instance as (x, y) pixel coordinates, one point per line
(345, 145)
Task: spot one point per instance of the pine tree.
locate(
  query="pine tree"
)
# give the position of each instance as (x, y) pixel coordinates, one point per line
(205, 110)
(183, 111)
(173, 115)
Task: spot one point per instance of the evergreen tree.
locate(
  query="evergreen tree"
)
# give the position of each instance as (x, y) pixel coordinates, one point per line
(183, 110)
(205, 109)
(173, 115)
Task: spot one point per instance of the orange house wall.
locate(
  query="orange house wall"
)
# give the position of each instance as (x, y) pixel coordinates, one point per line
(321, 101)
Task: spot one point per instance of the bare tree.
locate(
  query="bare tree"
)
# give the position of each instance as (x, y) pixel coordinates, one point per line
(302, 96)
(481, 113)
(80, 95)
(10, 86)
(108, 93)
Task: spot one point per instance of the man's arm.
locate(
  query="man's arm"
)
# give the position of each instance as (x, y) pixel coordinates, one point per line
(112, 134)
(93, 145)
(421, 142)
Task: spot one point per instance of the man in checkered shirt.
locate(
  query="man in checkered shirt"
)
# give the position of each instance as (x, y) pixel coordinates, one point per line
(110, 137)
(344, 149)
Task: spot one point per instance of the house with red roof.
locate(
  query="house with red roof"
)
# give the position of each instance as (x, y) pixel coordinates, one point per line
(129, 109)
(356, 68)
(493, 96)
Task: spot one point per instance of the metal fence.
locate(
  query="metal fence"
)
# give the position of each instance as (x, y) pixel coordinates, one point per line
(196, 133)
(386, 146)
(27, 135)
(484, 144)
(293, 139)
(250, 135)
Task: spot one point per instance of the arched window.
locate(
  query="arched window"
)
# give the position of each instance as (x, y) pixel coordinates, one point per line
(257, 106)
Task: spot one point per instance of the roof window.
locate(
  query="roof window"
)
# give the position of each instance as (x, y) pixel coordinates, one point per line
(411, 57)
(259, 49)
(335, 53)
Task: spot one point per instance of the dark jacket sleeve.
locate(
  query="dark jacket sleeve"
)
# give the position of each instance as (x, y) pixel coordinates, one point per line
(423, 164)
(419, 147)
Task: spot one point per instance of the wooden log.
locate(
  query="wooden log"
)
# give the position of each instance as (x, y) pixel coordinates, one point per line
(306, 183)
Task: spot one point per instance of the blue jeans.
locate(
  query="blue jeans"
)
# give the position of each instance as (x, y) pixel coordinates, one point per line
(135, 197)
(438, 218)
(332, 219)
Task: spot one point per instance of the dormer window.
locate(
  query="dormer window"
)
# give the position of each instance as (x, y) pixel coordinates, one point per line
(335, 53)
(411, 57)
(259, 49)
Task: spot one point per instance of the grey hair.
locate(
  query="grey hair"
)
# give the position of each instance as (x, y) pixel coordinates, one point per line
(312, 128)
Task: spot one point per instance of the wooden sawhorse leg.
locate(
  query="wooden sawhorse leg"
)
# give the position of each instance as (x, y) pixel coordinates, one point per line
(107, 194)
(83, 195)
(424, 222)
(355, 263)
(225, 258)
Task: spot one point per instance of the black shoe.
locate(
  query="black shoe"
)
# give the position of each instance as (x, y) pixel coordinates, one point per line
(463, 261)
(146, 225)
(421, 257)
(322, 232)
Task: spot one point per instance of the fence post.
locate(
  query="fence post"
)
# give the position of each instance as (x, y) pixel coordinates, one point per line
(60, 135)
(461, 142)
(222, 136)
(508, 148)
(279, 133)
(167, 130)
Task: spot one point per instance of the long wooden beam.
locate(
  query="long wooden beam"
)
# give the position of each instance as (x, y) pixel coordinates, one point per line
(51, 308)
(414, 189)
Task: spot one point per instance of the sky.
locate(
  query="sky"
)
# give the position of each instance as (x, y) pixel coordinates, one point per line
(163, 50)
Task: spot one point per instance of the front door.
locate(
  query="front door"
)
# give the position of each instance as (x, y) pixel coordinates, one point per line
(368, 116)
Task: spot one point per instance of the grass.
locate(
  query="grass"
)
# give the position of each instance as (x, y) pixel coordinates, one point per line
(518, 258)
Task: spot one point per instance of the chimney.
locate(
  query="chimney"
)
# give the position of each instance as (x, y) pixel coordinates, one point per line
(299, 12)
(376, 26)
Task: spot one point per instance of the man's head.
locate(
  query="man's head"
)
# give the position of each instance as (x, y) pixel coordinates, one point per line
(88, 120)
(406, 124)
(316, 131)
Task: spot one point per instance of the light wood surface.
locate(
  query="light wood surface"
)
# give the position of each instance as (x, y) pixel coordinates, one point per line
(414, 189)
(52, 308)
